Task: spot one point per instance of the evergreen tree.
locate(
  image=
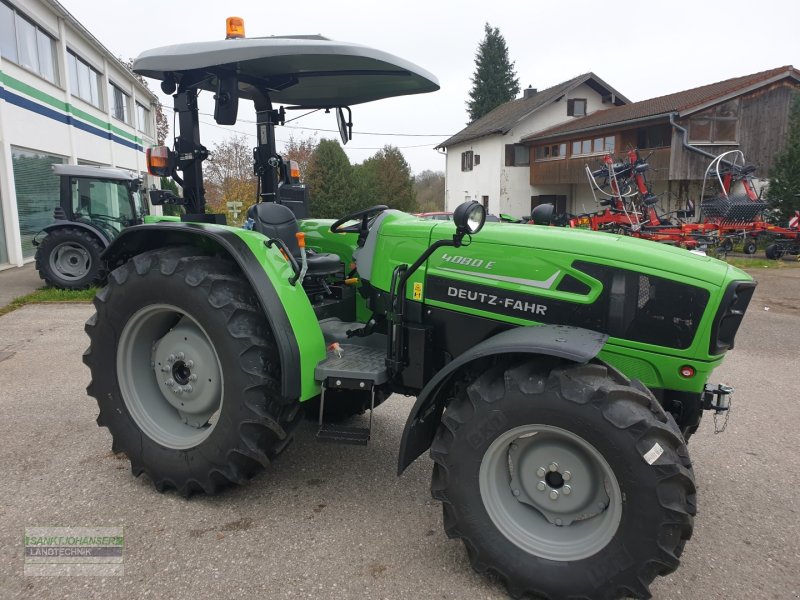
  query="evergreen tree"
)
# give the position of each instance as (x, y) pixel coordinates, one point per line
(495, 80)
(385, 178)
(784, 184)
(330, 182)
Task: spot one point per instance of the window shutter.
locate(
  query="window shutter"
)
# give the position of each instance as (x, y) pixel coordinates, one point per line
(570, 108)
(509, 155)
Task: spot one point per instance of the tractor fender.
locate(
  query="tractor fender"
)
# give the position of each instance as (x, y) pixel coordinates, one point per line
(141, 238)
(60, 224)
(571, 343)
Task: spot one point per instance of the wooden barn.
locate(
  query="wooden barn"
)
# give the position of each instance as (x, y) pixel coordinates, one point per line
(748, 113)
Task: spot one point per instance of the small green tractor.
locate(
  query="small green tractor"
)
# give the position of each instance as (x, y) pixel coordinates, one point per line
(95, 204)
(557, 373)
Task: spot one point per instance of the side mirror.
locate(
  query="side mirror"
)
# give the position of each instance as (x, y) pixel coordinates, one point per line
(159, 197)
(226, 99)
(543, 214)
(345, 125)
(469, 218)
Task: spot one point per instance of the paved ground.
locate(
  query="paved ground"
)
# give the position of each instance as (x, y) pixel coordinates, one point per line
(335, 522)
(15, 282)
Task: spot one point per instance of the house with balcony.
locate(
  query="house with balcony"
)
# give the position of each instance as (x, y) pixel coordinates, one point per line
(64, 98)
(748, 113)
(486, 160)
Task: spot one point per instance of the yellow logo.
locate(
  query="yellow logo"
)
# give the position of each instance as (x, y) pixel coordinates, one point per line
(417, 291)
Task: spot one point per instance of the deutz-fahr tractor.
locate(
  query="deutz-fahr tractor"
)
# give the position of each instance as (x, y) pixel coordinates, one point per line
(95, 204)
(557, 373)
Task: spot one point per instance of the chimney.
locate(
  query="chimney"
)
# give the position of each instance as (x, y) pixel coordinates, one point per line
(529, 92)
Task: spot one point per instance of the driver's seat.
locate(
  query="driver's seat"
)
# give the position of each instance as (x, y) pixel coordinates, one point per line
(278, 221)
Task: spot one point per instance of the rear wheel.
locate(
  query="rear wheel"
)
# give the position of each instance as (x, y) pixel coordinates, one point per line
(749, 247)
(572, 482)
(187, 379)
(773, 251)
(69, 259)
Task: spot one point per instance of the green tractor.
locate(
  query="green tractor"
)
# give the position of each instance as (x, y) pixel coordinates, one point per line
(558, 373)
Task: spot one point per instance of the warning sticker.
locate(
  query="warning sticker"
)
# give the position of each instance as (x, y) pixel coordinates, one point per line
(417, 291)
(652, 455)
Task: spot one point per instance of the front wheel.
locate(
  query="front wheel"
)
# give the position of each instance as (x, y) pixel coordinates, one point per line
(186, 372)
(568, 483)
(749, 247)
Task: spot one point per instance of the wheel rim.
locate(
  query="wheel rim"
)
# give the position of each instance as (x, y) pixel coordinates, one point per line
(550, 492)
(170, 376)
(70, 260)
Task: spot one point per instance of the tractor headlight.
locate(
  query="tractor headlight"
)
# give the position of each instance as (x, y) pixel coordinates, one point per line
(469, 217)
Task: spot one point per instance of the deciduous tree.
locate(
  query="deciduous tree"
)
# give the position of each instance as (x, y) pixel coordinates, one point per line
(229, 178)
(300, 150)
(429, 187)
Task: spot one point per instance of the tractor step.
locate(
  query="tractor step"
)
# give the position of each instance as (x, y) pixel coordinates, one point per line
(348, 363)
(340, 434)
(349, 367)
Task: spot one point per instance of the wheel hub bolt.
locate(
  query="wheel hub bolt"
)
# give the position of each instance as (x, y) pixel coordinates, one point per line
(567, 490)
(190, 363)
(559, 522)
(566, 475)
(188, 388)
(170, 382)
(516, 492)
(541, 471)
(181, 355)
(553, 494)
(171, 358)
(553, 467)
(192, 377)
(541, 486)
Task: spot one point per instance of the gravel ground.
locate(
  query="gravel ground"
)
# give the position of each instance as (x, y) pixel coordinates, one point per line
(335, 521)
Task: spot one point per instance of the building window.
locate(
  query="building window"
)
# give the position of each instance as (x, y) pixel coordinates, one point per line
(518, 155)
(84, 80)
(576, 107)
(485, 202)
(477, 159)
(550, 152)
(143, 120)
(598, 145)
(466, 160)
(717, 125)
(119, 102)
(657, 136)
(37, 193)
(24, 43)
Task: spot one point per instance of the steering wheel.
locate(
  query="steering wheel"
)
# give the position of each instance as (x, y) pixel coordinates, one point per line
(364, 214)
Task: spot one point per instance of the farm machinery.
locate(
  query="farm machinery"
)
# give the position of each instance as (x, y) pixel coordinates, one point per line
(732, 214)
(557, 374)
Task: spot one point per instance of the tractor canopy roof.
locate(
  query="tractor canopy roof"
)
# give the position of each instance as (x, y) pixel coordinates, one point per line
(93, 172)
(304, 71)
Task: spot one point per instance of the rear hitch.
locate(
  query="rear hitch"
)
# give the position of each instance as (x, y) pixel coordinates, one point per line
(718, 398)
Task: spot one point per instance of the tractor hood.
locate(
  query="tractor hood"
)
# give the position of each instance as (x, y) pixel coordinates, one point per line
(304, 71)
(595, 245)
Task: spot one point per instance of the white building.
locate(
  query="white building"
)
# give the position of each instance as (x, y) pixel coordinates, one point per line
(64, 98)
(486, 162)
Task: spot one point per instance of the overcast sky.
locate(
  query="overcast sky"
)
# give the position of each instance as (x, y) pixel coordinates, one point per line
(643, 49)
